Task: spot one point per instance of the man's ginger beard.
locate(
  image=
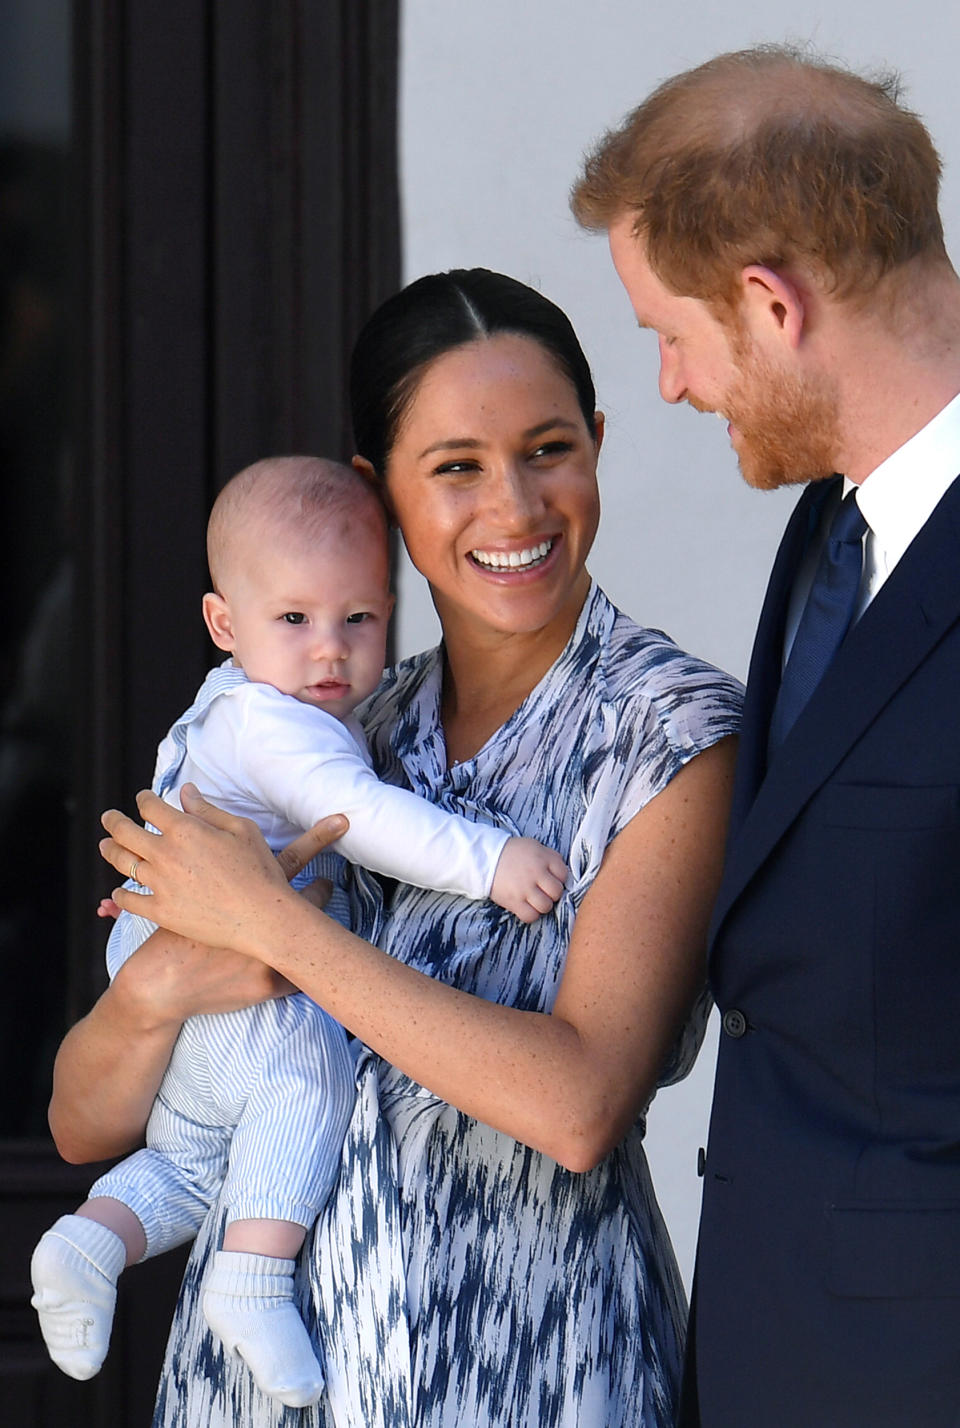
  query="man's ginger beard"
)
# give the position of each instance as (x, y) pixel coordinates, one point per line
(787, 428)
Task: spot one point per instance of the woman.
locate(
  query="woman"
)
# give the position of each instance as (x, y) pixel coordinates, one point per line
(494, 1253)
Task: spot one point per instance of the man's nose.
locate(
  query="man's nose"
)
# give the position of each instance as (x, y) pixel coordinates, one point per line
(673, 387)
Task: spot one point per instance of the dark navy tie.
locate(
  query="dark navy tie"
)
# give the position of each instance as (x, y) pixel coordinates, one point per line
(825, 620)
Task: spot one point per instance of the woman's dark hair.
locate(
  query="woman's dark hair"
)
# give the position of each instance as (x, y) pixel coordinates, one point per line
(434, 315)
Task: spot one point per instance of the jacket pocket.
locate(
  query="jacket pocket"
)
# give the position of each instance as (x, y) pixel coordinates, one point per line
(889, 806)
(893, 1252)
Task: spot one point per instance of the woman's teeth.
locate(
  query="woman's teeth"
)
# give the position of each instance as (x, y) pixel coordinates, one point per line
(514, 559)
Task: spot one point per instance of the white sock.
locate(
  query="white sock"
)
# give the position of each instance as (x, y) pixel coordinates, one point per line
(248, 1303)
(75, 1269)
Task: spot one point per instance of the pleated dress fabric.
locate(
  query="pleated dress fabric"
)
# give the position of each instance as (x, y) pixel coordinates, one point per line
(457, 1278)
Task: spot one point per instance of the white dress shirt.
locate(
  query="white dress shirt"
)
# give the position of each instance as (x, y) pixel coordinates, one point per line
(896, 500)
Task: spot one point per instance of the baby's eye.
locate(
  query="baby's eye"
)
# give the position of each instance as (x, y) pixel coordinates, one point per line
(358, 617)
(294, 617)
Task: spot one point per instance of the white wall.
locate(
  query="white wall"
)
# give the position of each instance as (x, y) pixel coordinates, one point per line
(499, 101)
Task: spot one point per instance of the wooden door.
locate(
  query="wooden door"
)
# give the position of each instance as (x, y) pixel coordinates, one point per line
(198, 206)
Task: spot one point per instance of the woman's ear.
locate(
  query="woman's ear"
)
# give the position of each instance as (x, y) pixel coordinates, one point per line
(599, 423)
(365, 467)
(216, 615)
(361, 464)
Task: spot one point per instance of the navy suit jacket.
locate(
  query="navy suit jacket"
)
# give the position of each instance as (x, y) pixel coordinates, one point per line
(827, 1289)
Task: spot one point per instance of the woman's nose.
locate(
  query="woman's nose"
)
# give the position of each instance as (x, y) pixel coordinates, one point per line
(517, 495)
(673, 387)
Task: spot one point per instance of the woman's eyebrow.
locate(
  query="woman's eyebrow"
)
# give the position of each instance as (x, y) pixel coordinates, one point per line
(451, 443)
(472, 443)
(550, 425)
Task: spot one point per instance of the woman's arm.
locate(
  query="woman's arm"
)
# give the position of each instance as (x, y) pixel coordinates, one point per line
(110, 1065)
(569, 1083)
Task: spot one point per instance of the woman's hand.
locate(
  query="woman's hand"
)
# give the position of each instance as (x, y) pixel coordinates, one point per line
(569, 1082)
(213, 878)
(110, 1065)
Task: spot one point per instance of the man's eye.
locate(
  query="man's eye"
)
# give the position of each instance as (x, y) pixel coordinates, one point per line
(294, 617)
(358, 617)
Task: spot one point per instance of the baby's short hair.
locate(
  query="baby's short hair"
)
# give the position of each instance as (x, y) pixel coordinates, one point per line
(301, 494)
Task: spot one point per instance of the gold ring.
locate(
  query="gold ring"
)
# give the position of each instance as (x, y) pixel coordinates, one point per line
(133, 869)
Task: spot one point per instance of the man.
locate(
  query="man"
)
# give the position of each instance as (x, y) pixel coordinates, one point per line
(775, 221)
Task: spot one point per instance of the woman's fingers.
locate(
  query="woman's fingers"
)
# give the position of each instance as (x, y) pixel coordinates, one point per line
(193, 802)
(208, 876)
(128, 841)
(296, 855)
(126, 863)
(292, 858)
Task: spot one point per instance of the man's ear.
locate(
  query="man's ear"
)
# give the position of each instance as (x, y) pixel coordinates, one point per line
(772, 305)
(361, 464)
(216, 615)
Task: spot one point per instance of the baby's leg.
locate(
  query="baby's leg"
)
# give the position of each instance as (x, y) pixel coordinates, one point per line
(75, 1269)
(284, 1157)
(248, 1303)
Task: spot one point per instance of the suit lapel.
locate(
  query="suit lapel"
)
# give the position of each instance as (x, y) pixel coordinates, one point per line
(910, 614)
(763, 680)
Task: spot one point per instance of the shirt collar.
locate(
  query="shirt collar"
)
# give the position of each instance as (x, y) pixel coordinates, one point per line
(899, 495)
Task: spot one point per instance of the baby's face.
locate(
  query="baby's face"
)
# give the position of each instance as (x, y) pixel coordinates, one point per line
(311, 618)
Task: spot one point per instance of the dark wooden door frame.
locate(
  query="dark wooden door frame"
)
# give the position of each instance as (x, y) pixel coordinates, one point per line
(237, 217)
(245, 218)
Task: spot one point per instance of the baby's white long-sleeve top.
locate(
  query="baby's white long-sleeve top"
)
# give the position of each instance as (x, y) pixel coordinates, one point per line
(267, 756)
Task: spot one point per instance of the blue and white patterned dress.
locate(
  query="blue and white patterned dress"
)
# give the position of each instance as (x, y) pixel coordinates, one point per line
(458, 1278)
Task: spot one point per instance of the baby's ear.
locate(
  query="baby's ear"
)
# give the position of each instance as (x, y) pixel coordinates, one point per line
(216, 615)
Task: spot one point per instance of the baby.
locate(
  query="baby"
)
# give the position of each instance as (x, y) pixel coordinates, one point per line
(260, 1099)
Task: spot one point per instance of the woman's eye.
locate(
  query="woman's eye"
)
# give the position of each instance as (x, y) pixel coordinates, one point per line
(552, 448)
(358, 617)
(294, 617)
(455, 468)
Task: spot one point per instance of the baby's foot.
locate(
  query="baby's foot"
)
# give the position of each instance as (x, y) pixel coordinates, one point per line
(75, 1269)
(248, 1303)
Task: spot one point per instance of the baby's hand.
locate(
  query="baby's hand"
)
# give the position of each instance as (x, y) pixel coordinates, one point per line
(529, 878)
(108, 908)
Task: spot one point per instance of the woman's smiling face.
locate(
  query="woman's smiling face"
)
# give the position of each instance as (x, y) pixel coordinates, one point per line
(493, 481)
